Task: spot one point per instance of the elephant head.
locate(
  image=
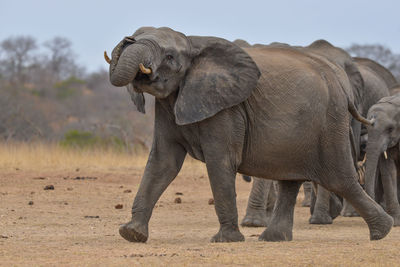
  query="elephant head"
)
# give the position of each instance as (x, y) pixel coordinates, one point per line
(206, 74)
(384, 133)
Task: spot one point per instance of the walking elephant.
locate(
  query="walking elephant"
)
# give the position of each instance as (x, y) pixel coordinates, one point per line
(268, 112)
(383, 149)
(367, 89)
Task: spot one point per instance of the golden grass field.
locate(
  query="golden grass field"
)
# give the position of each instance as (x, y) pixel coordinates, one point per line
(77, 222)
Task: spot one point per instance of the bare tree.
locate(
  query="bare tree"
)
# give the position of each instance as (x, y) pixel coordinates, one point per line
(61, 62)
(17, 56)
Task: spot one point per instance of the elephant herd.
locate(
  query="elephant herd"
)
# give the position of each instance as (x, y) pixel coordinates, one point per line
(275, 112)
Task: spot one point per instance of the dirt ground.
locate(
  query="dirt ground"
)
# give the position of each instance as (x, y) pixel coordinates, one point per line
(77, 224)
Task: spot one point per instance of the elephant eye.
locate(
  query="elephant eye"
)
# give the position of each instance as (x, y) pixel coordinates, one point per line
(169, 57)
(390, 129)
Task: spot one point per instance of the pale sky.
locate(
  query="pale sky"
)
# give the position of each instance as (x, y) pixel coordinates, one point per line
(97, 25)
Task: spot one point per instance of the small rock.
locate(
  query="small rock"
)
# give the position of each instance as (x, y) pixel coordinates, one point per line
(49, 187)
(30, 203)
(91, 217)
(121, 186)
(179, 193)
(119, 206)
(3, 236)
(40, 178)
(127, 191)
(77, 169)
(211, 201)
(32, 193)
(17, 169)
(65, 203)
(70, 189)
(178, 200)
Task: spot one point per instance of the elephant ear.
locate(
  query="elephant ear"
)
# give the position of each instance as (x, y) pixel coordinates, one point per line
(137, 98)
(221, 75)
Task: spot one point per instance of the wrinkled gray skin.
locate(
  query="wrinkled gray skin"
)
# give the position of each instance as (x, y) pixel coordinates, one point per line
(242, 111)
(326, 206)
(384, 135)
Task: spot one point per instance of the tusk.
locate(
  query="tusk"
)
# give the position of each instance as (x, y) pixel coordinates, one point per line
(385, 154)
(107, 58)
(144, 69)
(365, 159)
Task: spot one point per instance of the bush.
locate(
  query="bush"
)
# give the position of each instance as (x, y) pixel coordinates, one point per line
(77, 139)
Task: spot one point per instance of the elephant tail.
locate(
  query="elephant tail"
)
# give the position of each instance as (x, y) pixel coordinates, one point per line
(246, 178)
(356, 115)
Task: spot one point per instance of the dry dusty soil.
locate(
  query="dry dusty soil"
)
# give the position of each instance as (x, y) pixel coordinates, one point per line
(77, 224)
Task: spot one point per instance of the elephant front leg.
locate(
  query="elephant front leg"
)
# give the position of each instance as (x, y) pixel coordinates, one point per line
(281, 224)
(222, 182)
(389, 182)
(256, 212)
(159, 173)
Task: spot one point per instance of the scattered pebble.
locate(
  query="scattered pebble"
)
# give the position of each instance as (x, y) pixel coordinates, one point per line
(119, 206)
(32, 193)
(178, 200)
(77, 169)
(91, 217)
(49, 187)
(84, 178)
(40, 178)
(127, 191)
(70, 189)
(121, 186)
(30, 203)
(3, 236)
(211, 201)
(179, 193)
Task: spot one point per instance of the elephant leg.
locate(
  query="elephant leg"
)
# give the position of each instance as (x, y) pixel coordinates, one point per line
(256, 212)
(271, 200)
(222, 182)
(321, 209)
(159, 173)
(281, 224)
(389, 182)
(348, 210)
(379, 222)
(307, 194)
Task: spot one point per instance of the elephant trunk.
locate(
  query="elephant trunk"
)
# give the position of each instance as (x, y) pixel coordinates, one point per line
(374, 150)
(125, 63)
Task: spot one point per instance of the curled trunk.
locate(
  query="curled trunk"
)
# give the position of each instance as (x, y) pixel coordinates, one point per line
(125, 63)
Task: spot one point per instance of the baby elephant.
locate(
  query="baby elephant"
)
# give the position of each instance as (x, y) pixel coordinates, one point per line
(383, 148)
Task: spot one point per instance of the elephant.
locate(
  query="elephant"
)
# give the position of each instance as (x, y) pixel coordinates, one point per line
(383, 150)
(241, 111)
(326, 206)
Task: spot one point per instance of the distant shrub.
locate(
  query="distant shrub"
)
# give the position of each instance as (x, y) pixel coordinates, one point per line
(68, 87)
(82, 139)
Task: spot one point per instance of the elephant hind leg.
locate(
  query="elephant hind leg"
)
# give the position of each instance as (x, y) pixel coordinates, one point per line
(379, 222)
(281, 224)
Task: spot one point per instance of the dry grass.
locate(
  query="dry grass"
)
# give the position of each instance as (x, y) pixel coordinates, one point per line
(54, 230)
(41, 156)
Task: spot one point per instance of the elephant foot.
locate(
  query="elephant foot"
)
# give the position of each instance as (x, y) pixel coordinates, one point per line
(380, 226)
(134, 232)
(276, 235)
(228, 234)
(255, 219)
(320, 218)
